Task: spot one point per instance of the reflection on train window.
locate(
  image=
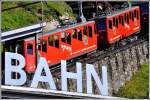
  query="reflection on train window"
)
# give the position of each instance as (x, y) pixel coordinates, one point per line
(50, 40)
(69, 38)
(63, 35)
(90, 31)
(44, 46)
(56, 42)
(110, 24)
(80, 35)
(30, 49)
(85, 30)
(75, 33)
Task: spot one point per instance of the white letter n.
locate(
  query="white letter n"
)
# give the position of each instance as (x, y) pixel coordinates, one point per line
(90, 71)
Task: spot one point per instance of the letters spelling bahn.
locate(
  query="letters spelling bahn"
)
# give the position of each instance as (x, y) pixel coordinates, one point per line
(81, 38)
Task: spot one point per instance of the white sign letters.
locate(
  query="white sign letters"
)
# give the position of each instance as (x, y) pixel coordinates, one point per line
(42, 65)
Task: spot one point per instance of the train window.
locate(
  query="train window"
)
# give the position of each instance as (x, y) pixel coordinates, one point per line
(69, 38)
(50, 41)
(128, 18)
(134, 13)
(95, 28)
(80, 35)
(117, 22)
(124, 17)
(90, 31)
(56, 42)
(120, 19)
(137, 14)
(85, 30)
(44, 46)
(75, 33)
(113, 21)
(30, 48)
(110, 24)
(39, 46)
(63, 35)
(132, 16)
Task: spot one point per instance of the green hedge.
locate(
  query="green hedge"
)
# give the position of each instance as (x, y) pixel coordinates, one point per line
(137, 87)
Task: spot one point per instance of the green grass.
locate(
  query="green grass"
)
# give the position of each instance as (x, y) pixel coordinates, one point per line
(28, 15)
(137, 87)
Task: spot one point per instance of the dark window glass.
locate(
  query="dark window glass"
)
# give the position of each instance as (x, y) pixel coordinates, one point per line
(63, 35)
(117, 22)
(85, 30)
(44, 46)
(125, 18)
(75, 33)
(113, 21)
(39, 46)
(80, 35)
(120, 19)
(51, 41)
(95, 28)
(110, 24)
(56, 42)
(134, 13)
(137, 14)
(132, 16)
(69, 39)
(128, 18)
(90, 31)
(30, 49)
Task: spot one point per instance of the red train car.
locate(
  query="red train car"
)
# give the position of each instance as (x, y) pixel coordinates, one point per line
(81, 38)
(116, 26)
(61, 44)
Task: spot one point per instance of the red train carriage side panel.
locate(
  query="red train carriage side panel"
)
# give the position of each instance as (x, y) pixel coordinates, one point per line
(123, 24)
(29, 54)
(61, 45)
(84, 39)
(49, 47)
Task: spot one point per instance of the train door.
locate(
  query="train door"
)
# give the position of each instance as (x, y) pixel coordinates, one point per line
(66, 42)
(30, 55)
(102, 40)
